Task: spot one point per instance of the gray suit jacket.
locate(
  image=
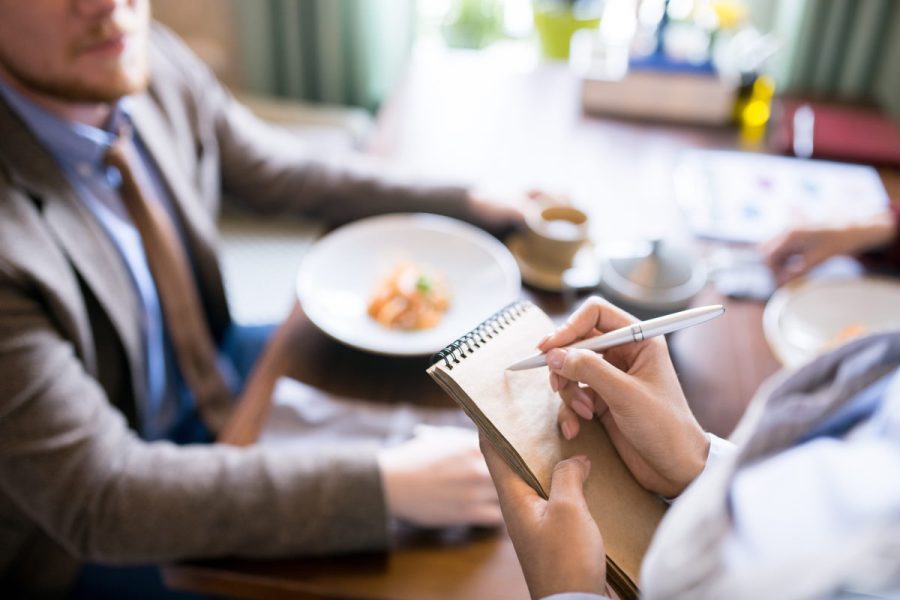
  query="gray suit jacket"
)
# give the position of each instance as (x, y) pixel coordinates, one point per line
(75, 480)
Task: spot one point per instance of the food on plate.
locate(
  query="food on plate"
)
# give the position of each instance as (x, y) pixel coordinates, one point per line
(412, 296)
(845, 334)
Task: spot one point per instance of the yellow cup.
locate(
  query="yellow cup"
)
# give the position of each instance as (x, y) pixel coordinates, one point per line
(555, 27)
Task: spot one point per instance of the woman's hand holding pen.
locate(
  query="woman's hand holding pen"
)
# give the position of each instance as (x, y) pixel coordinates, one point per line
(634, 392)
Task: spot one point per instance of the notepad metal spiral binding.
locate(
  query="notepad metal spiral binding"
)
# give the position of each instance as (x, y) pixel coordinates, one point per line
(481, 334)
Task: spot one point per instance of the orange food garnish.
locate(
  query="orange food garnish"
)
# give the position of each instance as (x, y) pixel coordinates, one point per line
(410, 297)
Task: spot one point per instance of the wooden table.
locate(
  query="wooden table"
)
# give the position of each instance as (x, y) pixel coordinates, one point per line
(474, 116)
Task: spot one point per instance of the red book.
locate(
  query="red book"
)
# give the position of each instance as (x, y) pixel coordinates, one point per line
(842, 132)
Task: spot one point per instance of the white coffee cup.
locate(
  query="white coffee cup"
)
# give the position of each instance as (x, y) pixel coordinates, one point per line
(553, 236)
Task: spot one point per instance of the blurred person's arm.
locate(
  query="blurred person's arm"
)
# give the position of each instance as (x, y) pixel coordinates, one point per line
(270, 169)
(798, 250)
(70, 463)
(886, 256)
(439, 478)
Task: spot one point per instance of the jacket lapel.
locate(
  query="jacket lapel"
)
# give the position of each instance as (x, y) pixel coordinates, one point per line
(81, 238)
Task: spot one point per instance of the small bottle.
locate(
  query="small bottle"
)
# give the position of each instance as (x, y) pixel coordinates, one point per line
(754, 111)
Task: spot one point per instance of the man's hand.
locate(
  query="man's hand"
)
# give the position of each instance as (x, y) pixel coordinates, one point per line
(500, 215)
(795, 252)
(439, 479)
(635, 393)
(558, 543)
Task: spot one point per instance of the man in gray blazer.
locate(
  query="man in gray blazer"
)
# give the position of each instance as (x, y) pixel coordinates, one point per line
(86, 372)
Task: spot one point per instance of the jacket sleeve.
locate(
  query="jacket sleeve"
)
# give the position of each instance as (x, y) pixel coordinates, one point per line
(70, 463)
(270, 169)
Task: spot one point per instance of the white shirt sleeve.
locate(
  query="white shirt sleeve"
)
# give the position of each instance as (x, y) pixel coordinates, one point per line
(818, 493)
(718, 447)
(812, 496)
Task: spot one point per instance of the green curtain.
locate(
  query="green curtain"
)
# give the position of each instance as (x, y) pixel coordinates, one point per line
(346, 52)
(843, 49)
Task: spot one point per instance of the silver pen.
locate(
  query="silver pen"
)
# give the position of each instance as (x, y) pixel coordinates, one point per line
(632, 333)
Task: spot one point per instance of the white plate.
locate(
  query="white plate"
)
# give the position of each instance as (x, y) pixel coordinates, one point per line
(339, 275)
(807, 318)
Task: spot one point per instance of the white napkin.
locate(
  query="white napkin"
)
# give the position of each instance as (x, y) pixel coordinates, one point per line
(304, 415)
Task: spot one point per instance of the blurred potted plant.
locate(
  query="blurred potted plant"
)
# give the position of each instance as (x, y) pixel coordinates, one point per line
(473, 23)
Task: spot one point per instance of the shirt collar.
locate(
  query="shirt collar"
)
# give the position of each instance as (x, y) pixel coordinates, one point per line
(72, 144)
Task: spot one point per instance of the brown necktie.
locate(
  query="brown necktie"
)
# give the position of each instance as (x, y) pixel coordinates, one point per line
(185, 323)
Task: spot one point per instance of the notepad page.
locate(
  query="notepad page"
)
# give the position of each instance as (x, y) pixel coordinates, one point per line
(523, 409)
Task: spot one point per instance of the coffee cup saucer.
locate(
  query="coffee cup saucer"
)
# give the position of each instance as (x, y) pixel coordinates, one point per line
(542, 276)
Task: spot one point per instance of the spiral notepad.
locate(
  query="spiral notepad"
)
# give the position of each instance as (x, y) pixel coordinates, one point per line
(517, 411)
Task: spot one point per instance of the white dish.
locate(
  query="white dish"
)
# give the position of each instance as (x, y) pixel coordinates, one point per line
(804, 319)
(339, 275)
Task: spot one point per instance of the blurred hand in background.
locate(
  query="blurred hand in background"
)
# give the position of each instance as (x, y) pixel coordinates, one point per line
(798, 250)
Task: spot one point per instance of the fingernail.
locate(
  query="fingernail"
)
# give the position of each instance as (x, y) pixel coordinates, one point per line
(582, 409)
(556, 358)
(543, 339)
(585, 399)
(585, 461)
(566, 428)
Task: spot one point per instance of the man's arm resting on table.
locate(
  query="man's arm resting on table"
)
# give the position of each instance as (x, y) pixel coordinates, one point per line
(70, 463)
(271, 169)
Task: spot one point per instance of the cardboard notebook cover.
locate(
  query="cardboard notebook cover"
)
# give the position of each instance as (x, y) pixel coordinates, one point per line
(517, 411)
